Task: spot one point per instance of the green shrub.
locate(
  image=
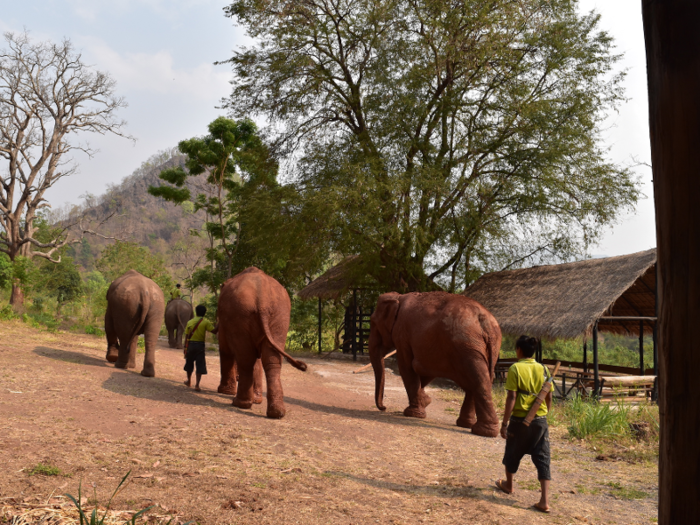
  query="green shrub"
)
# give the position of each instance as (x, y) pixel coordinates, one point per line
(591, 417)
(46, 470)
(7, 313)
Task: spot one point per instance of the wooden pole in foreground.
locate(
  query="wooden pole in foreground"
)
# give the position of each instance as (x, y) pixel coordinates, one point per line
(362, 369)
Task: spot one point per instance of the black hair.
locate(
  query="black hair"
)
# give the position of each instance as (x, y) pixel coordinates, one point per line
(527, 345)
(201, 310)
(177, 285)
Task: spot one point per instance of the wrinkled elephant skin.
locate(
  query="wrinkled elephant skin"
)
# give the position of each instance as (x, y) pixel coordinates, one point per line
(135, 306)
(177, 313)
(437, 334)
(254, 311)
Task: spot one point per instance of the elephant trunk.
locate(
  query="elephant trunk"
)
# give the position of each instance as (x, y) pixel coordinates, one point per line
(376, 357)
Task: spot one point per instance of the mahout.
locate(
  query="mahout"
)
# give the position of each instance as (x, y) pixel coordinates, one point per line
(177, 313)
(254, 312)
(135, 306)
(438, 334)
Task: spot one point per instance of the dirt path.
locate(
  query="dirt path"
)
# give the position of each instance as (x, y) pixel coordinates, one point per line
(333, 459)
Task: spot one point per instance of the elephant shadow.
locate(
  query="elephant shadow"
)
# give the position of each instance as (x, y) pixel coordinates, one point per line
(441, 491)
(392, 418)
(131, 383)
(68, 356)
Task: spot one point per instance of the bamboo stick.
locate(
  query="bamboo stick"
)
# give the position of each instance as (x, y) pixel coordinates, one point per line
(362, 369)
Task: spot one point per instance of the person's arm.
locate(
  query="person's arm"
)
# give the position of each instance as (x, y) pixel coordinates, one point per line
(510, 404)
(215, 330)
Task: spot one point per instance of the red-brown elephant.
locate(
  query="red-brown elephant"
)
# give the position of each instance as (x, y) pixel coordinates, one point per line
(135, 305)
(437, 334)
(253, 313)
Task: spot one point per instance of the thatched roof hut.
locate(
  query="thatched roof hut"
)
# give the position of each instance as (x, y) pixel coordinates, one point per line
(335, 282)
(566, 300)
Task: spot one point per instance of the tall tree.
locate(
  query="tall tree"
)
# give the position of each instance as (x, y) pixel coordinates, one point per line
(439, 139)
(231, 155)
(48, 97)
(673, 69)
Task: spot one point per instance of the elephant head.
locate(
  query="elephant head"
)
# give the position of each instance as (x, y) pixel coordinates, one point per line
(381, 341)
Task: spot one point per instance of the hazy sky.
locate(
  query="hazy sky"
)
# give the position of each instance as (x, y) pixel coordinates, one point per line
(161, 54)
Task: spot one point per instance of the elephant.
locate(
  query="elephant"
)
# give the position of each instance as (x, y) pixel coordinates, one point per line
(135, 305)
(177, 313)
(438, 334)
(254, 311)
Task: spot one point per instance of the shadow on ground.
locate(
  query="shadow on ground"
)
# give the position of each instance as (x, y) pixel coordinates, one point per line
(68, 356)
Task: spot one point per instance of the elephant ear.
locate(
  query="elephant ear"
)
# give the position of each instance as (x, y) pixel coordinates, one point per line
(384, 317)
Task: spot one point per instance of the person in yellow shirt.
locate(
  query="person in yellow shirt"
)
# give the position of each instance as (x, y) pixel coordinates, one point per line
(176, 293)
(525, 380)
(195, 335)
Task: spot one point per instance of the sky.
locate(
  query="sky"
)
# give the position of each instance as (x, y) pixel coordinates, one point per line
(162, 52)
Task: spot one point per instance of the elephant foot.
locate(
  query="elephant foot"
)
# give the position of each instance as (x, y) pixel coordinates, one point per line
(425, 400)
(467, 422)
(485, 429)
(119, 364)
(111, 358)
(172, 345)
(148, 372)
(230, 390)
(241, 404)
(275, 412)
(415, 412)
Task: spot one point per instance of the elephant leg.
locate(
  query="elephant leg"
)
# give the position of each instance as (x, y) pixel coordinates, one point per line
(227, 364)
(150, 335)
(133, 350)
(112, 340)
(424, 398)
(467, 415)
(124, 359)
(172, 341)
(412, 383)
(272, 364)
(258, 376)
(178, 336)
(246, 356)
(487, 423)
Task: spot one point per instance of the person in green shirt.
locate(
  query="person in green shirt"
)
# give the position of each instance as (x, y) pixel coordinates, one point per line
(525, 380)
(195, 335)
(176, 293)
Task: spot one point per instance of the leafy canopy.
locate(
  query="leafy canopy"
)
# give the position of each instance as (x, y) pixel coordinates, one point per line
(437, 139)
(120, 257)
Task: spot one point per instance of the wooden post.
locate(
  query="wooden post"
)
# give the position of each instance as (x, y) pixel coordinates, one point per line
(585, 356)
(320, 323)
(596, 379)
(673, 71)
(641, 348)
(354, 325)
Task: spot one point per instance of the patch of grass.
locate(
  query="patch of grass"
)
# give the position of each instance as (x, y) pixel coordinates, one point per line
(582, 489)
(625, 492)
(590, 417)
(529, 485)
(259, 485)
(450, 409)
(46, 470)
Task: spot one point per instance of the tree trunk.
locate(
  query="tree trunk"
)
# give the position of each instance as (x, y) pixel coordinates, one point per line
(672, 34)
(17, 297)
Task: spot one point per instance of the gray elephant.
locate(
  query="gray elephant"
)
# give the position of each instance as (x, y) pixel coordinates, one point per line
(177, 313)
(135, 305)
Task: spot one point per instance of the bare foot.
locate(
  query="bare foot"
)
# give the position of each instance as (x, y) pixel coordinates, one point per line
(187, 383)
(503, 485)
(540, 508)
(197, 389)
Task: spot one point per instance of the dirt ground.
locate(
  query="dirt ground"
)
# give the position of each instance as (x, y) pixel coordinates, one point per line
(333, 459)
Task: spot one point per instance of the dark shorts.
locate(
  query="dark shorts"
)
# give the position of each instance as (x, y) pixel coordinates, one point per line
(533, 440)
(195, 354)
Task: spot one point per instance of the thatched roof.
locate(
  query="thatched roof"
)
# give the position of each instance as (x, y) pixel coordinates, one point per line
(342, 277)
(565, 300)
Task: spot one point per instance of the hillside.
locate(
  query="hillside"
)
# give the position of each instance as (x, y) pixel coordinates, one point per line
(136, 216)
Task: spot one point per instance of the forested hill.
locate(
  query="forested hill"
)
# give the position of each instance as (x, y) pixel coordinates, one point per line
(139, 217)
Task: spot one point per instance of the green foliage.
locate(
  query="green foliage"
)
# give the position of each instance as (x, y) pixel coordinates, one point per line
(61, 280)
(7, 313)
(231, 155)
(6, 271)
(589, 417)
(439, 140)
(46, 470)
(120, 257)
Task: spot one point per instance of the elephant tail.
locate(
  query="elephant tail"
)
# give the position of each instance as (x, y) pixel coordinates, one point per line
(143, 312)
(492, 338)
(294, 362)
